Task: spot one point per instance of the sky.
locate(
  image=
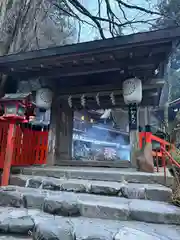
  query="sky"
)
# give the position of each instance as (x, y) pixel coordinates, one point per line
(88, 33)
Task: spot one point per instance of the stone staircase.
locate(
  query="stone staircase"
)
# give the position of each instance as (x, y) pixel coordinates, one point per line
(69, 203)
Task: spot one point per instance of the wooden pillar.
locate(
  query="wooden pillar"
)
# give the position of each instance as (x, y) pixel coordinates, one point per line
(133, 133)
(65, 133)
(147, 122)
(166, 117)
(60, 133)
(52, 132)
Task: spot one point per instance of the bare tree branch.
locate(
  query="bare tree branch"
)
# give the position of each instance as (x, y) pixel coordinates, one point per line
(137, 8)
(79, 33)
(99, 7)
(114, 22)
(84, 11)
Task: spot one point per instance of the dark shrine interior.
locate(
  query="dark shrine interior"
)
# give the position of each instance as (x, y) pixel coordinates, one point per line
(11, 85)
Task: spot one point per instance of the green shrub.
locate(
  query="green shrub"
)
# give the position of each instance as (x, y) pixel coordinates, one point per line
(176, 155)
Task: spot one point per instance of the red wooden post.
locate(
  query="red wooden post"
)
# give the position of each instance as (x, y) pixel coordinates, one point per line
(3, 140)
(9, 154)
(163, 146)
(140, 140)
(148, 137)
(157, 161)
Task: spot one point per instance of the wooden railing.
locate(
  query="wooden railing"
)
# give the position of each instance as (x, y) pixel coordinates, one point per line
(168, 160)
(162, 152)
(29, 147)
(24, 147)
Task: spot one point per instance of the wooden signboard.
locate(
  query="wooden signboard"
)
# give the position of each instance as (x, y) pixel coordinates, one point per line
(132, 117)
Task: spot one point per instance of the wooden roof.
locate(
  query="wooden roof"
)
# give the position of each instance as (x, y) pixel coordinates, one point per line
(15, 96)
(141, 51)
(101, 64)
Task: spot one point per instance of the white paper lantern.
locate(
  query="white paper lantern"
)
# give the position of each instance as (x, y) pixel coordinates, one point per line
(132, 90)
(44, 98)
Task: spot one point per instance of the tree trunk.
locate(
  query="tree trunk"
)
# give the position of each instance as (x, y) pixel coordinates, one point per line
(27, 25)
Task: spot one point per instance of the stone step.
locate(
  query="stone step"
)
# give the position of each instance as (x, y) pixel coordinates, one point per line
(45, 226)
(92, 206)
(13, 237)
(102, 174)
(154, 192)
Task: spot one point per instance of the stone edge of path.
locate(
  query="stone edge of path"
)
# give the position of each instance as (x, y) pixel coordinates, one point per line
(154, 192)
(103, 174)
(94, 206)
(38, 224)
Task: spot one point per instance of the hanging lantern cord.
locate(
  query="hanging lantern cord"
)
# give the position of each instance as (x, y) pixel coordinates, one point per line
(83, 100)
(70, 101)
(97, 99)
(112, 99)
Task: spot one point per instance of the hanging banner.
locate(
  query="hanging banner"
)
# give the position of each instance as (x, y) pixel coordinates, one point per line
(132, 117)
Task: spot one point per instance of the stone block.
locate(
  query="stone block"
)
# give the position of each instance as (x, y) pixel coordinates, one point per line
(65, 204)
(154, 212)
(50, 230)
(18, 180)
(96, 236)
(158, 193)
(93, 232)
(34, 182)
(133, 191)
(11, 198)
(105, 188)
(51, 185)
(21, 225)
(73, 186)
(33, 200)
(16, 221)
(104, 210)
(133, 234)
(144, 159)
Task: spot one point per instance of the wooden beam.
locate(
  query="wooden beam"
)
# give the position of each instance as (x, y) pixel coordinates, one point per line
(105, 102)
(108, 105)
(88, 58)
(135, 64)
(105, 89)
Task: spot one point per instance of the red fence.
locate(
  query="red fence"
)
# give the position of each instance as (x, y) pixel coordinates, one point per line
(29, 146)
(163, 152)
